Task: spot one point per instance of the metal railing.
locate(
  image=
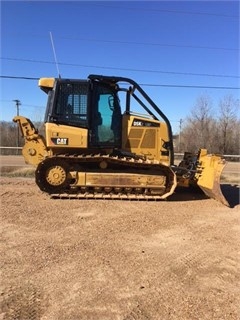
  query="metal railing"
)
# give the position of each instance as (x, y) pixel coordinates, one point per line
(10, 151)
(20, 148)
(232, 157)
(178, 155)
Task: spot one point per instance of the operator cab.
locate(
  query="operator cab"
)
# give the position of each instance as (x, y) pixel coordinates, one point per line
(87, 104)
(87, 114)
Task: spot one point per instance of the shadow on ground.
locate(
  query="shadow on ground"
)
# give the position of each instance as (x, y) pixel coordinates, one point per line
(230, 192)
(187, 194)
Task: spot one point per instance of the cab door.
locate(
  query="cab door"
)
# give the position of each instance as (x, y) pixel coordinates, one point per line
(105, 117)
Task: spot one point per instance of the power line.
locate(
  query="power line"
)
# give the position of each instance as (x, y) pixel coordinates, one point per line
(24, 105)
(135, 43)
(146, 84)
(168, 11)
(150, 44)
(125, 69)
(19, 78)
(188, 86)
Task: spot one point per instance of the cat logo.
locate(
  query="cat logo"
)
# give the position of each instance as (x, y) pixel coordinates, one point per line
(60, 141)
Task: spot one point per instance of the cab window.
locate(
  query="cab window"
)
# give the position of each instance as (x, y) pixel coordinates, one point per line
(106, 117)
(71, 104)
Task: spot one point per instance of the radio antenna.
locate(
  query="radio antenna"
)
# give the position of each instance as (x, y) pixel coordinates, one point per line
(54, 53)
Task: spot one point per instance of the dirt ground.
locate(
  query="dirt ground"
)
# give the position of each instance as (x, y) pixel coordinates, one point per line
(118, 260)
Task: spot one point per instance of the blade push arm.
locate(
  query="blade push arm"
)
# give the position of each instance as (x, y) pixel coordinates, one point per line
(34, 149)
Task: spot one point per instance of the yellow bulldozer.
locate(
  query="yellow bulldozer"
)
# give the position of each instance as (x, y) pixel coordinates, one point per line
(105, 138)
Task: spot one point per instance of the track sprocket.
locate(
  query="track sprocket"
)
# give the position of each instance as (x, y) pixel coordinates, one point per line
(52, 175)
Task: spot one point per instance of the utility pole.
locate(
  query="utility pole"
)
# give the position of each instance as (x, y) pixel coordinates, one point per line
(180, 130)
(18, 103)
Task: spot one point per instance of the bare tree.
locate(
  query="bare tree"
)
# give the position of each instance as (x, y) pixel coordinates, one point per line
(219, 134)
(228, 124)
(199, 126)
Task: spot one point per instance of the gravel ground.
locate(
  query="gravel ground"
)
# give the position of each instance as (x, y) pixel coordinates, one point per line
(118, 260)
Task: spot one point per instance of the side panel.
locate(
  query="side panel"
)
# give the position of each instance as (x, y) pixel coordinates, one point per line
(145, 137)
(62, 136)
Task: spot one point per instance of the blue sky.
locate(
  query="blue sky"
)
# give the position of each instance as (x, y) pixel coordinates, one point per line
(167, 46)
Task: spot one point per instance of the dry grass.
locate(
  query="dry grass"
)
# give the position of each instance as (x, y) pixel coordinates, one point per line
(230, 178)
(26, 172)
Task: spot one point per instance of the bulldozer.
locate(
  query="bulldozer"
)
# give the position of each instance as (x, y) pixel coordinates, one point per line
(105, 138)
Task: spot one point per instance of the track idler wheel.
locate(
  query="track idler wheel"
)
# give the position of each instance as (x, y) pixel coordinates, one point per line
(52, 175)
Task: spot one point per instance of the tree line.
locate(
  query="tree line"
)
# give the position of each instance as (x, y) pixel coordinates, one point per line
(218, 132)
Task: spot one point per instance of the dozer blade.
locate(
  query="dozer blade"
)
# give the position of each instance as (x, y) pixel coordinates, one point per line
(208, 176)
